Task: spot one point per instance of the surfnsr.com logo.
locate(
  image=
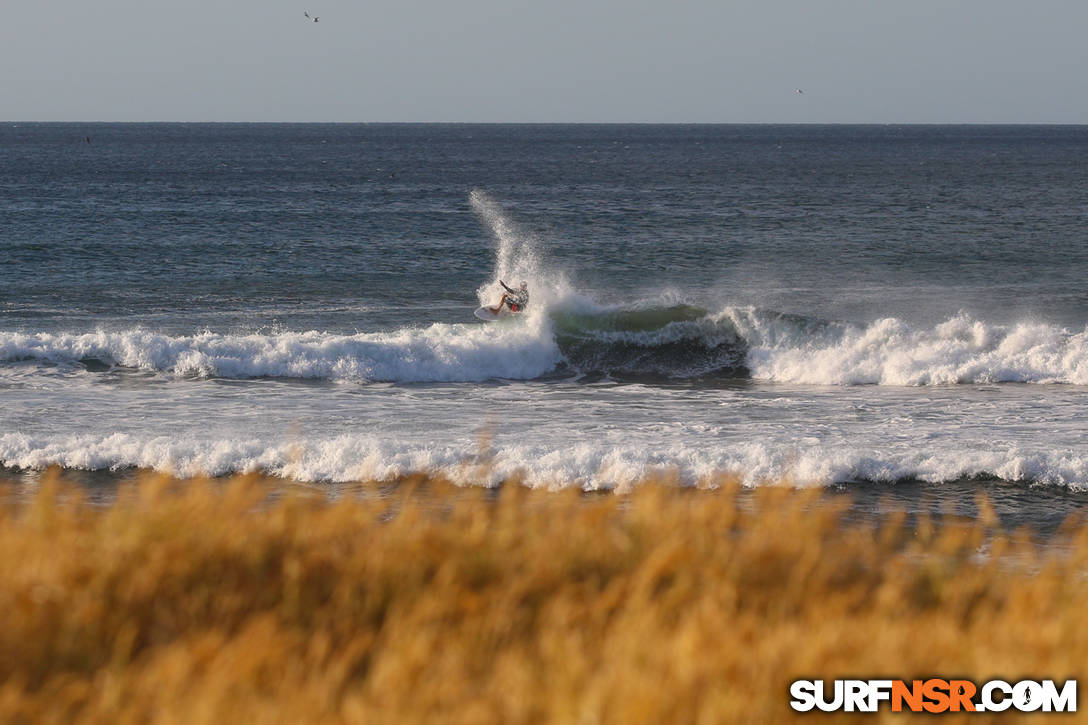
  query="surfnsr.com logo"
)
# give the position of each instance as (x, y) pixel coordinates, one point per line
(933, 695)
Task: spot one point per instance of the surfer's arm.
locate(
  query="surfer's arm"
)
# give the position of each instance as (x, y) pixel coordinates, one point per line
(506, 288)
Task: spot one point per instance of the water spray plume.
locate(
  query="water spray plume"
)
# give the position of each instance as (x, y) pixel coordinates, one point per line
(516, 257)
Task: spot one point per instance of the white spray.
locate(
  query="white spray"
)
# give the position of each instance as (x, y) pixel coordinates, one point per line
(516, 259)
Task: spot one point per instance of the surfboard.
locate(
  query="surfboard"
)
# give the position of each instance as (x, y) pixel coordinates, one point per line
(485, 314)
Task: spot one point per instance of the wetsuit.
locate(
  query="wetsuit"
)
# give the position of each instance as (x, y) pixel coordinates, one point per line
(517, 299)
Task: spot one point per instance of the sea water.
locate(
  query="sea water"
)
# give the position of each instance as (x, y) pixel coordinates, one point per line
(854, 306)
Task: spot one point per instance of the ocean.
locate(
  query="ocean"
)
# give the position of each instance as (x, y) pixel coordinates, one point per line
(897, 311)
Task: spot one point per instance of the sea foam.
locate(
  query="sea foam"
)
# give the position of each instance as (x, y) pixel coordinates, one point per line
(437, 353)
(588, 464)
(889, 351)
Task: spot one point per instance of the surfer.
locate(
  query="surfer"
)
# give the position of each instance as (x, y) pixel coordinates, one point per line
(516, 299)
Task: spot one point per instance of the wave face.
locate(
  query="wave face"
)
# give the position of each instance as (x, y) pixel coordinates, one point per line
(675, 342)
(671, 342)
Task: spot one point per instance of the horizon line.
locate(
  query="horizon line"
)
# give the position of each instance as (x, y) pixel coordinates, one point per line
(558, 123)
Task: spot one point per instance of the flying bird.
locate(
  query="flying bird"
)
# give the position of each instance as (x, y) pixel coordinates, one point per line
(315, 18)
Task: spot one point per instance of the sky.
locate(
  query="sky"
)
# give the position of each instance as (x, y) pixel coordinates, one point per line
(599, 61)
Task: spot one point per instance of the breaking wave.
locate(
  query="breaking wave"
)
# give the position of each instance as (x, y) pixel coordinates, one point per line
(589, 464)
(434, 354)
(960, 350)
(671, 342)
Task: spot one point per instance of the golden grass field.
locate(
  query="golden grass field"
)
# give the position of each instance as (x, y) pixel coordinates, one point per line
(214, 602)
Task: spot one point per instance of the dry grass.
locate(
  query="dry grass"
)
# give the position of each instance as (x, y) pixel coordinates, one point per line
(202, 602)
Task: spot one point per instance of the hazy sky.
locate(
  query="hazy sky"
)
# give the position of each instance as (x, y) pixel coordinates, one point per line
(858, 61)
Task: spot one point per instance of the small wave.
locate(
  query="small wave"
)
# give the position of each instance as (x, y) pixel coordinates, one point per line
(438, 353)
(889, 351)
(588, 464)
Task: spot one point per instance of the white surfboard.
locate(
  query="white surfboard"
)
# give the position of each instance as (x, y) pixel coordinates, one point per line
(485, 313)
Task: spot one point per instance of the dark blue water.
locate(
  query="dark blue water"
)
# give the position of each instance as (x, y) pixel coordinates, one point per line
(252, 221)
(828, 304)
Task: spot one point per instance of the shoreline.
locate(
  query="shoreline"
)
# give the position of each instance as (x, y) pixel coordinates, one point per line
(1041, 508)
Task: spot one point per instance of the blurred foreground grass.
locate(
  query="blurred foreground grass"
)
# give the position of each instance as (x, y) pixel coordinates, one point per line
(208, 602)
